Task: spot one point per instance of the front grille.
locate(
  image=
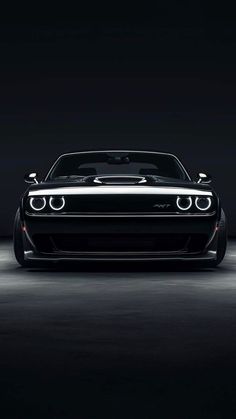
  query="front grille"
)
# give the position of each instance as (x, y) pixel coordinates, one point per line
(76, 243)
(120, 204)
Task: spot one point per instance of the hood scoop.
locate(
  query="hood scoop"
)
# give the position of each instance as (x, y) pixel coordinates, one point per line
(119, 180)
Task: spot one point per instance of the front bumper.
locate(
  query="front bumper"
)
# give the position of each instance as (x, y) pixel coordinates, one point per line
(120, 238)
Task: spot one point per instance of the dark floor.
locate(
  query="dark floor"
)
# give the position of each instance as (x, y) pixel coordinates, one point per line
(98, 342)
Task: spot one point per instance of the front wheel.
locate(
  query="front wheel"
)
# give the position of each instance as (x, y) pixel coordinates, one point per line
(18, 242)
(222, 239)
(221, 243)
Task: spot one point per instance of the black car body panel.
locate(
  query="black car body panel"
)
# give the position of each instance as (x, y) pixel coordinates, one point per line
(120, 216)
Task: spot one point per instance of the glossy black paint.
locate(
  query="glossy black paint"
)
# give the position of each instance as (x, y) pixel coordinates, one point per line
(144, 224)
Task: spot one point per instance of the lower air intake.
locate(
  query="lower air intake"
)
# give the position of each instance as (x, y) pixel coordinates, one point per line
(76, 243)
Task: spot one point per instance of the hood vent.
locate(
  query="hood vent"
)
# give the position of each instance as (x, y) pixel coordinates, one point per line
(120, 180)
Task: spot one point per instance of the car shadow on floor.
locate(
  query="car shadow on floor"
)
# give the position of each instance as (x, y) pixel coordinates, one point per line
(127, 266)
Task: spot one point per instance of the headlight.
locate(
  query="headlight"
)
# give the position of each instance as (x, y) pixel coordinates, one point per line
(184, 202)
(57, 202)
(38, 204)
(203, 203)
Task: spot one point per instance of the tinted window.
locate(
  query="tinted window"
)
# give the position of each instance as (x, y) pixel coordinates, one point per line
(88, 164)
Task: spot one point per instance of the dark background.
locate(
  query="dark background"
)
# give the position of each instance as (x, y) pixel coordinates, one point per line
(117, 340)
(162, 80)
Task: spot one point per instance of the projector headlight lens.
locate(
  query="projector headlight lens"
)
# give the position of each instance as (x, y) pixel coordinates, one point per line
(38, 203)
(203, 203)
(184, 203)
(57, 203)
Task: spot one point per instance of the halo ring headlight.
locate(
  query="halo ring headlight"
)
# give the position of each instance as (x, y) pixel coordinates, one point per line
(57, 202)
(38, 203)
(203, 203)
(184, 203)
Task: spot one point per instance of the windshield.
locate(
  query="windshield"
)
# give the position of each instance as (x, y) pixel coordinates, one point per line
(116, 163)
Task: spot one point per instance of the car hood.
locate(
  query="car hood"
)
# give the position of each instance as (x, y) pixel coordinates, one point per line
(83, 188)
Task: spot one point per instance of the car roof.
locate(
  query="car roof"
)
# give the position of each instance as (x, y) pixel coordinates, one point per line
(117, 151)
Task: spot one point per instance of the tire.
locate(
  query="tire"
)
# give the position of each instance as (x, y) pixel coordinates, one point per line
(222, 239)
(18, 242)
(221, 243)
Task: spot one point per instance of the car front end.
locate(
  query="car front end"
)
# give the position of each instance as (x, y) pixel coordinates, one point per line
(120, 221)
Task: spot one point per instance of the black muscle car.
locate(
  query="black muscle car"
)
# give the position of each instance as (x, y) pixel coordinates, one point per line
(119, 205)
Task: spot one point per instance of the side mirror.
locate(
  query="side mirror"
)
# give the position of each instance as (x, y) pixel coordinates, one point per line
(31, 178)
(203, 178)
